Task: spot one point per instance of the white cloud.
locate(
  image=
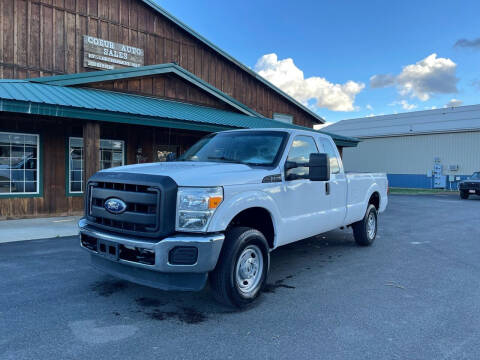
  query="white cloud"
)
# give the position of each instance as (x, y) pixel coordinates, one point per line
(454, 103)
(369, 107)
(288, 77)
(429, 76)
(405, 105)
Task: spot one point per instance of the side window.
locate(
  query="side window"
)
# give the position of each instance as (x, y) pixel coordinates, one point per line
(334, 165)
(111, 154)
(19, 163)
(302, 147)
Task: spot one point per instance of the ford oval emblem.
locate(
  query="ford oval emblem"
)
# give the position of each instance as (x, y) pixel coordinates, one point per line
(115, 206)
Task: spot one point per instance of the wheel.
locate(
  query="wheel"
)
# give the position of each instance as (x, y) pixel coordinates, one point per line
(242, 268)
(463, 194)
(365, 230)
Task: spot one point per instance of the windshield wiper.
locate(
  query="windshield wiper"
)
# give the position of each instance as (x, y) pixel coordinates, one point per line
(223, 158)
(254, 163)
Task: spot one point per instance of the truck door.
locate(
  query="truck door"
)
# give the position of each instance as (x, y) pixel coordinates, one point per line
(304, 204)
(337, 186)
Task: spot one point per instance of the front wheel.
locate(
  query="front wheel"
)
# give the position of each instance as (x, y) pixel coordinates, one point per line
(242, 268)
(463, 194)
(365, 230)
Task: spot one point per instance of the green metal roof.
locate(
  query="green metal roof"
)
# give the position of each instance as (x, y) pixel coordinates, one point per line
(90, 104)
(215, 48)
(126, 73)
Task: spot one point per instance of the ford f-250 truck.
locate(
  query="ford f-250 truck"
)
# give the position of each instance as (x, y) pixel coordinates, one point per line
(219, 210)
(470, 186)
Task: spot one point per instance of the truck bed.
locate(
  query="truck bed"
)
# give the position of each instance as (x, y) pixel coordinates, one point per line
(359, 184)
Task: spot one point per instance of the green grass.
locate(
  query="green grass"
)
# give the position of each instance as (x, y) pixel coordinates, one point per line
(407, 191)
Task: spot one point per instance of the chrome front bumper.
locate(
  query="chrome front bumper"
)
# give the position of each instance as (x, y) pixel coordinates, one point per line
(161, 273)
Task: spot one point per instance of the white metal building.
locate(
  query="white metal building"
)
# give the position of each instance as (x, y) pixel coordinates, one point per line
(421, 149)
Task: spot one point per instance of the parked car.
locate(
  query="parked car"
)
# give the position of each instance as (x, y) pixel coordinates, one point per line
(471, 186)
(219, 210)
(16, 178)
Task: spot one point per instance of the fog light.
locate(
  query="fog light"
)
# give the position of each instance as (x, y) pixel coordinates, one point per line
(183, 255)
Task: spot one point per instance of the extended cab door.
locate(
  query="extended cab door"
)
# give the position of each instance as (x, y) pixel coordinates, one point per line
(337, 186)
(303, 203)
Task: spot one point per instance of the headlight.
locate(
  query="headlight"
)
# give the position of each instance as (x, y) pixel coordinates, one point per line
(195, 207)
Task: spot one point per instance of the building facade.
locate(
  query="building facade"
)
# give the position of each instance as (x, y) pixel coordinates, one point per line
(421, 149)
(91, 84)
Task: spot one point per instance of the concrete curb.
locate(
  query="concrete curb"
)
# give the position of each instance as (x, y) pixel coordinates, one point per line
(38, 228)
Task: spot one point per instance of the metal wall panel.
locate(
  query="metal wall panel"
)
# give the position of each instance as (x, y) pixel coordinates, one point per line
(416, 154)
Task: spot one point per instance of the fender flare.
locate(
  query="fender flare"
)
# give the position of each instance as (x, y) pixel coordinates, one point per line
(372, 189)
(227, 211)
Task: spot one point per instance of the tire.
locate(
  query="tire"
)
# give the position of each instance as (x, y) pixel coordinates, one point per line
(236, 285)
(463, 194)
(365, 230)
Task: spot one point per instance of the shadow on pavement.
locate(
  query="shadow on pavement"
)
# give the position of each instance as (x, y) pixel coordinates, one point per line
(287, 263)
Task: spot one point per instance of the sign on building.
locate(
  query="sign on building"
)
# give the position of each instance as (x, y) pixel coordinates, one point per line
(108, 55)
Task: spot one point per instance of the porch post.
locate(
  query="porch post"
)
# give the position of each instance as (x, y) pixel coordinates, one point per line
(91, 149)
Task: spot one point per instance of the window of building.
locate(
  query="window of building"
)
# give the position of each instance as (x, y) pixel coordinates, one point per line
(19, 163)
(283, 118)
(302, 147)
(332, 156)
(112, 154)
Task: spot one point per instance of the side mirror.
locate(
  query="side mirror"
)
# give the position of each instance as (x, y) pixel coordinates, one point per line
(290, 165)
(171, 157)
(319, 167)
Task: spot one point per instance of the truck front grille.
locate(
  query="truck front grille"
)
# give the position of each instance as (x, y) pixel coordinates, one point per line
(470, 185)
(141, 215)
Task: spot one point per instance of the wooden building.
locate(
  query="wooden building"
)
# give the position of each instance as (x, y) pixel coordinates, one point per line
(91, 84)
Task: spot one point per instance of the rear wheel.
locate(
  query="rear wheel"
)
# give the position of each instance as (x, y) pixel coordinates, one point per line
(242, 268)
(463, 194)
(365, 230)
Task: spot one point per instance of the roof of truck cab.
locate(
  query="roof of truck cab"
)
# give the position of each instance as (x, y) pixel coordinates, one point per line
(299, 130)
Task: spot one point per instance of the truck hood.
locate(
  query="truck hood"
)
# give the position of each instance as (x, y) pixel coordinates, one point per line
(190, 173)
(466, 181)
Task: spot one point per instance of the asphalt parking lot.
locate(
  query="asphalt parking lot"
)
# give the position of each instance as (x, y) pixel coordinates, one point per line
(414, 294)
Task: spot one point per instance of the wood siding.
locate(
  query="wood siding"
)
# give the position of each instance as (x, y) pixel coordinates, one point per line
(163, 86)
(52, 169)
(43, 38)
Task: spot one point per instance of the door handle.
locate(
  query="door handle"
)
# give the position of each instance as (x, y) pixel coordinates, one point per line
(327, 188)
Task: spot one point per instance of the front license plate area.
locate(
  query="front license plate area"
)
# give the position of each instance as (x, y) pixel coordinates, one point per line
(471, 191)
(108, 249)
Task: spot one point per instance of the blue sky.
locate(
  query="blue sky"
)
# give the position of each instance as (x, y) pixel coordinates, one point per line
(340, 45)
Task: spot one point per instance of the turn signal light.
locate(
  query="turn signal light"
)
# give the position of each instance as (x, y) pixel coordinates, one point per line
(214, 201)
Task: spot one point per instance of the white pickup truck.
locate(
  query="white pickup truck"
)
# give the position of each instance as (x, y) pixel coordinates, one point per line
(218, 211)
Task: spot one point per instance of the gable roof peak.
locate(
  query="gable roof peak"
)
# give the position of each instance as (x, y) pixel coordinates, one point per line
(152, 4)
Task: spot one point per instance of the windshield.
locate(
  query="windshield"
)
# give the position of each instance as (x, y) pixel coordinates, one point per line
(252, 148)
(475, 176)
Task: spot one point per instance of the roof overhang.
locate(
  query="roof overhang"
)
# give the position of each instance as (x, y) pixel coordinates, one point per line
(105, 116)
(20, 96)
(150, 70)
